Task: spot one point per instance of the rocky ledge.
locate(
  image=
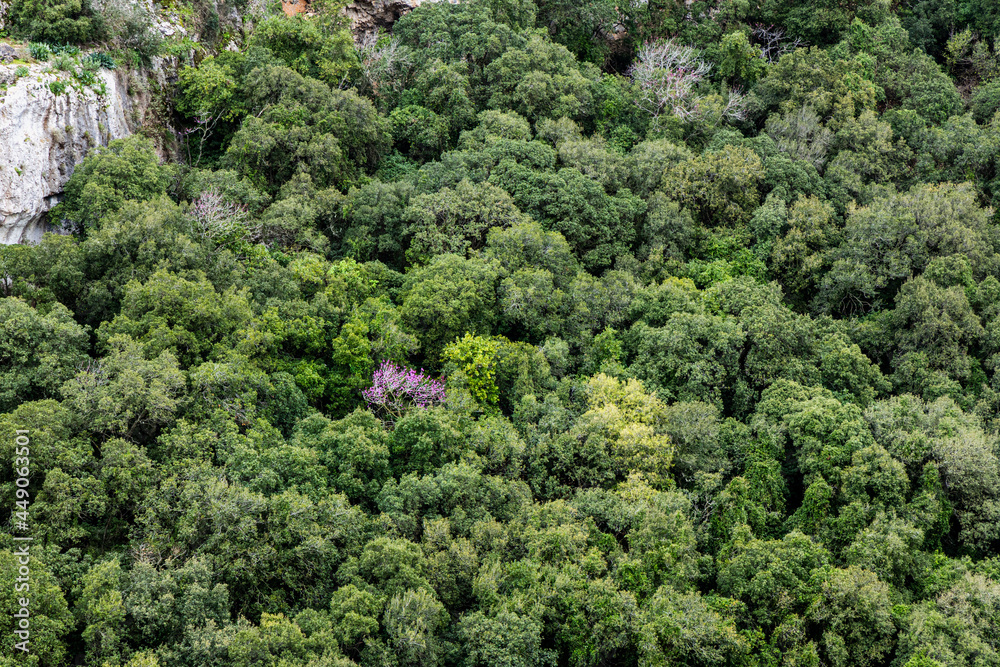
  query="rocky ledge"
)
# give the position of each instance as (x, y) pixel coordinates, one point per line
(369, 16)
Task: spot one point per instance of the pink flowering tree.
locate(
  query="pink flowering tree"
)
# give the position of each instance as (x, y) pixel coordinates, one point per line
(395, 390)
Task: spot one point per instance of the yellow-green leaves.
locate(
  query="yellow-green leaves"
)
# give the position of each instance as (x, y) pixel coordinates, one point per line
(476, 358)
(631, 422)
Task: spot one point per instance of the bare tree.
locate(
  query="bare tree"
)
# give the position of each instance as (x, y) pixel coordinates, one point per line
(220, 219)
(380, 64)
(773, 42)
(667, 74)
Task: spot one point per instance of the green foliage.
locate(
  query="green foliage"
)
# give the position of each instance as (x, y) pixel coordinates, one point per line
(186, 317)
(542, 80)
(371, 219)
(897, 236)
(672, 624)
(801, 255)
(39, 51)
(132, 26)
(855, 610)
(102, 59)
(508, 639)
(444, 89)
(477, 33)
(476, 358)
(299, 125)
(126, 170)
(126, 395)
(209, 91)
(577, 26)
(50, 619)
(447, 298)
(738, 60)
(419, 132)
(834, 87)
(597, 225)
(456, 221)
(721, 187)
(311, 48)
(822, 22)
(720, 385)
(55, 21)
(39, 351)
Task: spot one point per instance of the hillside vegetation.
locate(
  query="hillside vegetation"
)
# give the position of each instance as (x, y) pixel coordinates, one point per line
(567, 334)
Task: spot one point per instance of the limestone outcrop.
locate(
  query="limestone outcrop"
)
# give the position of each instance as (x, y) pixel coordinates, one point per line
(367, 16)
(46, 129)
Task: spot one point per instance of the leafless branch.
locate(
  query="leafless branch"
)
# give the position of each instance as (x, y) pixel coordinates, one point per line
(380, 63)
(667, 74)
(773, 42)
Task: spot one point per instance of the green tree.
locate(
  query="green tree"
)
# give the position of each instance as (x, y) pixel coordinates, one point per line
(39, 351)
(319, 49)
(475, 358)
(456, 221)
(173, 610)
(598, 226)
(648, 160)
(593, 158)
(50, 620)
(187, 317)
(771, 576)
(419, 132)
(102, 610)
(132, 243)
(834, 87)
(954, 627)
(720, 187)
(125, 170)
(801, 256)
(299, 125)
(476, 33)
(413, 621)
(540, 80)
(444, 88)
(692, 357)
(854, 615)
(370, 222)
(801, 135)
(895, 237)
(354, 449)
(123, 394)
(56, 21)
(739, 61)
(508, 639)
(690, 628)
(69, 500)
(447, 298)
(938, 323)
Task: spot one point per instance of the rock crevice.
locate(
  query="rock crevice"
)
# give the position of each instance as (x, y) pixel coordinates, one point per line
(367, 16)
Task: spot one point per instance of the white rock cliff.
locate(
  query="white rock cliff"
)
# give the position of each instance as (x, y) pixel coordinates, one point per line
(44, 135)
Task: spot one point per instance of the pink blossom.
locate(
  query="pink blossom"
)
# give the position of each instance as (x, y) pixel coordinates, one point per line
(396, 389)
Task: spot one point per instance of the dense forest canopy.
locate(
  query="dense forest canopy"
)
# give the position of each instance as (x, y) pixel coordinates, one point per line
(521, 335)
